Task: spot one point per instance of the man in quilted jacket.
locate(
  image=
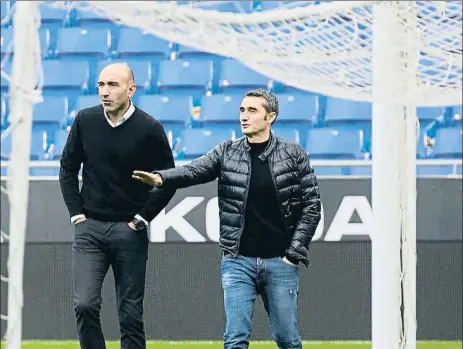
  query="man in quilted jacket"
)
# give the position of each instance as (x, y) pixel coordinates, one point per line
(269, 206)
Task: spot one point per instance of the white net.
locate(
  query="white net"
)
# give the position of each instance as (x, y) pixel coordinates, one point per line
(325, 49)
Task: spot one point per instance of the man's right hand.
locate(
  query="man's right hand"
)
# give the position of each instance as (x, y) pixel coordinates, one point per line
(148, 178)
(80, 220)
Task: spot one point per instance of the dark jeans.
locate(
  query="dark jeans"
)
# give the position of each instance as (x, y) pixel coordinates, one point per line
(243, 278)
(97, 246)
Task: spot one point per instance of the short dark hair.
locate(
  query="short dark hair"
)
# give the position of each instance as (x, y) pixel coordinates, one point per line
(271, 104)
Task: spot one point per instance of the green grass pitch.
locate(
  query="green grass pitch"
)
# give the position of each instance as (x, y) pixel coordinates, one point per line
(219, 345)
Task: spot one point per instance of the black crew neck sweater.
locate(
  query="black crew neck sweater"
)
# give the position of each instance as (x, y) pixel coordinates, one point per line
(264, 232)
(109, 156)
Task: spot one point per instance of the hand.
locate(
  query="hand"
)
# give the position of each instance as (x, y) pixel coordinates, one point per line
(80, 220)
(148, 178)
(132, 226)
(284, 259)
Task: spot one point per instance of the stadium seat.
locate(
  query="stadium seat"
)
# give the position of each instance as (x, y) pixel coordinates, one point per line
(218, 111)
(83, 43)
(59, 142)
(359, 171)
(52, 17)
(457, 115)
(41, 139)
(88, 101)
(173, 112)
(344, 111)
(448, 143)
(331, 143)
(7, 38)
(89, 19)
(196, 142)
(134, 43)
(185, 77)
(142, 70)
(65, 76)
(5, 147)
(5, 12)
(53, 110)
(428, 114)
(237, 78)
(192, 54)
(290, 134)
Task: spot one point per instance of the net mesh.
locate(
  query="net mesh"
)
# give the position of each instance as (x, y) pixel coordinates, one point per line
(325, 49)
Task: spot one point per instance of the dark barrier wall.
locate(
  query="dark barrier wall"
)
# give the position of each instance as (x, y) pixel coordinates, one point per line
(184, 296)
(192, 215)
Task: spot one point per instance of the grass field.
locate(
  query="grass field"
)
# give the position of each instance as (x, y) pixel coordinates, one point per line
(219, 345)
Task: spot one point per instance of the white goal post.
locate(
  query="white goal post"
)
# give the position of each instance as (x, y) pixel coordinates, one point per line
(398, 55)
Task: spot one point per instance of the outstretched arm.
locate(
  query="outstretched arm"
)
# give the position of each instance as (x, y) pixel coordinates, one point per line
(201, 170)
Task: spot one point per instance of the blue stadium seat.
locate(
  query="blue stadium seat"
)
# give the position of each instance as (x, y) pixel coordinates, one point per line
(185, 77)
(66, 76)
(142, 70)
(7, 38)
(344, 111)
(52, 17)
(192, 54)
(428, 114)
(41, 139)
(297, 111)
(53, 110)
(219, 111)
(173, 112)
(83, 43)
(237, 78)
(5, 147)
(196, 142)
(448, 143)
(331, 143)
(457, 115)
(135, 43)
(89, 19)
(88, 101)
(59, 142)
(290, 134)
(360, 171)
(5, 12)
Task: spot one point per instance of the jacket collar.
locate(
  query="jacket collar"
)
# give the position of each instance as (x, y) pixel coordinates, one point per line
(267, 151)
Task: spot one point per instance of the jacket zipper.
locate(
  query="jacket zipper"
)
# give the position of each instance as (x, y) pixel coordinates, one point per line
(280, 207)
(245, 202)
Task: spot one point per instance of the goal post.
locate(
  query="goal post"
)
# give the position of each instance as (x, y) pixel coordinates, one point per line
(24, 81)
(397, 55)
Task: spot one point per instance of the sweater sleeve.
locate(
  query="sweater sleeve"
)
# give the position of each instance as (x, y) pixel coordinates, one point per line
(164, 159)
(70, 163)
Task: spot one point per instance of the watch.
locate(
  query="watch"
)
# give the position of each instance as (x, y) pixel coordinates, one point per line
(139, 224)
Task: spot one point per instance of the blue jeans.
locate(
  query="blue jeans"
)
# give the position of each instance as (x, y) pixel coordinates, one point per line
(243, 278)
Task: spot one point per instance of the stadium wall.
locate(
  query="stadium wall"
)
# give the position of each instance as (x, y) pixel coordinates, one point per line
(183, 293)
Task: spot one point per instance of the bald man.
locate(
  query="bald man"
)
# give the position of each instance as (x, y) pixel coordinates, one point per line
(111, 212)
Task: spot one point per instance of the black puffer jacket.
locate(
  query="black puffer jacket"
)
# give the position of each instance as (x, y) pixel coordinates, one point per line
(230, 162)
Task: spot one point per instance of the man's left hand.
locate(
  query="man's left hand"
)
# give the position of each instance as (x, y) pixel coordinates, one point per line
(132, 226)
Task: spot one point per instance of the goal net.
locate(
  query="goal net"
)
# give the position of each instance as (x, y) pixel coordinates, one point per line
(397, 55)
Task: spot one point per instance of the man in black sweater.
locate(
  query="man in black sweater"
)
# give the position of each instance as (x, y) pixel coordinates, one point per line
(111, 212)
(269, 207)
